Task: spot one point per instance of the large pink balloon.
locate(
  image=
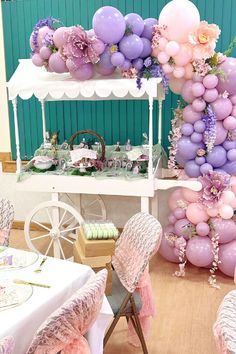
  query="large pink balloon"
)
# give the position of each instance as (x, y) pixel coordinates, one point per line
(57, 64)
(176, 85)
(199, 251)
(167, 252)
(228, 83)
(190, 195)
(174, 198)
(196, 213)
(184, 55)
(181, 18)
(221, 133)
(60, 36)
(227, 256)
(84, 72)
(186, 92)
(222, 108)
(226, 229)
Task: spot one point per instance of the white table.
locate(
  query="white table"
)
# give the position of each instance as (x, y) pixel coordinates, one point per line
(64, 278)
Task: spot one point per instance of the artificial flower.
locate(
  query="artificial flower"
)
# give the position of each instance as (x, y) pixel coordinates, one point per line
(213, 185)
(204, 40)
(210, 132)
(201, 67)
(130, 74)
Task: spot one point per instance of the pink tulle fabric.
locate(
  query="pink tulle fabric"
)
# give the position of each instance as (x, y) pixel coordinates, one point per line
(64, 329)
(7, 345)
(138, 242)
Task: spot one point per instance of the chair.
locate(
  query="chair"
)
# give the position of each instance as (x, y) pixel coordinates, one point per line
(7, 345)
(6, 220)
(131, 284)
(224, 328)
(63, 331)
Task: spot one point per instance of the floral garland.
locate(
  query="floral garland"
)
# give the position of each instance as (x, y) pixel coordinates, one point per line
(50, 22)
(174, 136)
(215, 244)
(210, 133)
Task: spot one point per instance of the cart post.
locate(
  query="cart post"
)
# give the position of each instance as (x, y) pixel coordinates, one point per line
(42, 101)
(18, 159)
(150, 162)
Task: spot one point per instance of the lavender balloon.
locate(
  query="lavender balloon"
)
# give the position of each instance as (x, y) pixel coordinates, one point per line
(217, 157)
(131, 46)
(57, 64)
(84, 72)
(187, 129)
(192, 169)
(199, 126)
(210, 95)
(221, 133)
(222, 108)
(45, 52)
(104, 66)
(117, 59)
(231, 155)
(228, 144)
(205, 168)
(137, 63)
(200, 160)
(135, 23)
(148, 27)
(183, 227)
(147, 48)
(199, 105)
(179, 213)
(126, 65)
(199, 251)
(228, 83)
(37, 60)
(226, 229)
(190, 116)
(99, 46)
(202, 229)
(210, 81)
(187, 149)
(230, 167)
(198, 89)
(109, 24)
(227, 256)
(196, 137)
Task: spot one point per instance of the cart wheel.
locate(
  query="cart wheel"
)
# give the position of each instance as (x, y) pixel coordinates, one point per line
(54, 236)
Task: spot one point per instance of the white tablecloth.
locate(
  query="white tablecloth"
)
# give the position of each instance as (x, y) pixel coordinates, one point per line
(64, 278)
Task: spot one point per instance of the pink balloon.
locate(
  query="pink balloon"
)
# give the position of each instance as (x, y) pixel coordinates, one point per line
(189, 115)
(176, 85)
(196, 213)
(183, 228)
(197, 77)
(226, 212)
(229, 123)
(226, 229)
(172, 48)
(210, 95)
(84, 72)
(37, 60)
(227, 197)
(180, 242)
(60, 36)
(155, 52)
(162, 43)
(167, 252)
(57, 64)
(210, 81)
(199, 251)
(227, 256)
(188, 71)
(222, 108)
(184, 55)
(234, 111)
(163, 58)
(186, 91)
(45, 52)
(181, 18)
(198, 89)
(221, 133)
(190, 196)
(167, 68)
(199, 105)
(202, 229)
(233, 203)
(178, 72)
(172, 219)
(179, 213)
(174, 198)
(212, 212)
(98, 46)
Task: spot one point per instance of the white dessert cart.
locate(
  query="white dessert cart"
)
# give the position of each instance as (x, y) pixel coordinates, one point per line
(29, 80)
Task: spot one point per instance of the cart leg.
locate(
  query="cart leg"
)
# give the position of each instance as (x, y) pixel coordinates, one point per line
(56, 221)
(154, 205)
(18, 159)
(145, 204)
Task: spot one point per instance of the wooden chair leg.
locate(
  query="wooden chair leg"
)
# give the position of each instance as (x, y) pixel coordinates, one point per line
(139, 328)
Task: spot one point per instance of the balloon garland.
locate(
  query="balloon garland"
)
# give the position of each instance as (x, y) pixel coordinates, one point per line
(180, 49)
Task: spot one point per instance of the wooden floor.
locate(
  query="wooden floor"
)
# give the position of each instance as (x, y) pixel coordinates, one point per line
(186, 310)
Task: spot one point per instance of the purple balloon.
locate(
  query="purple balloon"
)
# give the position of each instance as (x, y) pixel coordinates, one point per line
(186, 92)
(187, 129)
(135, 23)
(126, 65)
(196, 137)
(222, 108)
(202, 229)
(230, 168)
(198, 89)
(179, 213)
(99, 46)
(231, 155)
(148, 27)
(137, 63)
(192, 169)
(233, 99)
(147, 48)
(217, 157)
(109, 24)
(199, 126)
(205, 168)
(228, 144)
(199, 251)
(104, 66)
(227, 256)
(199, 105)
(200, 160)
(210, 95)
(191, 116)
(57, 64)
(187, 149)
(183, 228)
(131, 46)
(180, 160)
(84, 72)
(165, 250)
(228, 83)
(117, 59)
(226, 229)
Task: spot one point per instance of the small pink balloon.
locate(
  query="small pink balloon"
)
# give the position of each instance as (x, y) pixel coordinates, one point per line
(196, 213)
(60, 36)
(45, 52)
(167, 252)
(233, 203)
(189, 71)
(172, 219)
(202, 229)
(184, 55)
(198, 89)
(212, 212)
(221, 133)
(172, 48)
(225, 229)
(229, 123)
(233, 99)
(176, 85)
(163, 58)
(179, 213)
(162, 43)
(190, 196)
(178, 72)
(190, 116)
(84, 72)
(186, 91)
(174, 198)
(199, 105)
(210, 95)
(226, 212)
(183, 228)
(197, 77)
(98, 46)
(155, 52)
(227, 197)
(234, 111)
(210, 81)
(37, 60)
(167, 68)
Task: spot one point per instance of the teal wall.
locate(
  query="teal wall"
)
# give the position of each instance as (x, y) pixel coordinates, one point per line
(117, 120)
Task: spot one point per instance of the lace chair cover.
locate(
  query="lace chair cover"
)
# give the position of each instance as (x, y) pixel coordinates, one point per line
(139, 240)
(225, 326)
(63, 331)
(6, 220)
(7, 345)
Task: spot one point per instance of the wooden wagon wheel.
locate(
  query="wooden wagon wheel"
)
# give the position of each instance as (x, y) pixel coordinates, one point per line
(92, 132)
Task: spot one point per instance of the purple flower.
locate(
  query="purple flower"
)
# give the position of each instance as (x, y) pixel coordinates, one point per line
(148, 62)
(50, 22)
(210, 133)
(48, 40)
(213, 185)
(79, 46)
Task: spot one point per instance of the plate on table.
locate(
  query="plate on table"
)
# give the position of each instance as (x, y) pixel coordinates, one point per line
(17, 258)
(12, 295)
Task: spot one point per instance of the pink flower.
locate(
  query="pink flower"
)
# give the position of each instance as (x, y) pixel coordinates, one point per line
(204, 40)
(213, 185)
(220, 58)
(130, 74)
(79, 46)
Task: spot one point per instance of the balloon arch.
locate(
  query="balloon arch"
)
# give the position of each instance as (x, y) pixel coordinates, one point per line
(180, 49)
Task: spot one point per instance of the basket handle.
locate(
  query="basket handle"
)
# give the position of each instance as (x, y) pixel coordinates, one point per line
(92, 132)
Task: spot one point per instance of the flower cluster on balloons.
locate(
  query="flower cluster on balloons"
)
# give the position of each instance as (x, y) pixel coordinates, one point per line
(196, 219)
(115, 41)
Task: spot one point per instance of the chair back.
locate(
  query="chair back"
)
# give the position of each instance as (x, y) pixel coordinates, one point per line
(7, 345)
(64, 329)
(139, 240)
(6, 220)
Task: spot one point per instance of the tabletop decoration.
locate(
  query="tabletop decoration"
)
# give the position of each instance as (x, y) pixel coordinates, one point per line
(17, 259)
(12, 294)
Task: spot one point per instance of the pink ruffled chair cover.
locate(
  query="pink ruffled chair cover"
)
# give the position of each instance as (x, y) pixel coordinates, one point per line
(225, 326)
(7, 345)
(6, 220)
(63, 331)
(138, 242)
